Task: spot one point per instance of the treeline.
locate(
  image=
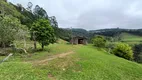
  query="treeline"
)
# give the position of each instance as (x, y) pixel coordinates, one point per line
(116, 31)
(32, 22)
(27, 16)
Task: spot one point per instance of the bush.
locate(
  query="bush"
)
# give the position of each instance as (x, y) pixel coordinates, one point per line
(138, 53)
(123, 50)
(99, 41)
(110, 46)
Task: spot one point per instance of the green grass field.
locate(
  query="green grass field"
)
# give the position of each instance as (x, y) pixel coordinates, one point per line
(86, 63)
(130, 38)
(91, 64)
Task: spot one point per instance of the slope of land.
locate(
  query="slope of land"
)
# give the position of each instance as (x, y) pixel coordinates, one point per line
(92, 64)
(130, 38)
(87, 63)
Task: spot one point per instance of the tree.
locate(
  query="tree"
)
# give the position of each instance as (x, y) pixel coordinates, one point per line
(9, 27)
(43, 31)
(40, 13)
(99, 41)
(9, 9)
(30, 5)
(19, 7)
(138, 53)
(123, 50)
(53, 21)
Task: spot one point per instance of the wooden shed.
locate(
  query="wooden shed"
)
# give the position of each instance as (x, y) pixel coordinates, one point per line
(79, 40)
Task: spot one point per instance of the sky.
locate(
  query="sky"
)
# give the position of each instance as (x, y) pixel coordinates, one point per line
(92, 14)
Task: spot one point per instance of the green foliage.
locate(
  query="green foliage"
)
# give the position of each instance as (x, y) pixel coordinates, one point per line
(39, 12)
(28, 17)
(80, 32)
(9, 28)
(123, 50)
(9, 9)
(126, 37)
(43, 31)
(62, 33)
(99, 41)
(81, 66)
(138, 53)
(53, 21)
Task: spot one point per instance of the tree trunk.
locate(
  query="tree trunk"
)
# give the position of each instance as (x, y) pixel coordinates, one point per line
(25, 43)
(42, 46)
(34, 38)
(4, 47)
(35, 44)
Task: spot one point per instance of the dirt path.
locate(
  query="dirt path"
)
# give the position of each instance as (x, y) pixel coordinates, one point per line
(45, 61)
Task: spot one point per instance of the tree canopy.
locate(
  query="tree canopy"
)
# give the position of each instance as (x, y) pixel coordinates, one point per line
(9, 28)
(43, 31)
(99, 41)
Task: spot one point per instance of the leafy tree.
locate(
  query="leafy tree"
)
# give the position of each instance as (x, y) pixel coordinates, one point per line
(19, 7)
(43, 31)
(99, 41)
(138, 53)
(53, 21)
(40, 13)
(9, 27)
(123, 50)
(30, 5)
(9, 9)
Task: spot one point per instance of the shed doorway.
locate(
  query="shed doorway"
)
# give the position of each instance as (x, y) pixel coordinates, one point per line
(80, 41)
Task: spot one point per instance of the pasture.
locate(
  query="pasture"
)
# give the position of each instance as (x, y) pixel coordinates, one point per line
(84, 63)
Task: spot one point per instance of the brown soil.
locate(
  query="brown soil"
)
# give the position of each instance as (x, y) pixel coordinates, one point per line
(45, 61)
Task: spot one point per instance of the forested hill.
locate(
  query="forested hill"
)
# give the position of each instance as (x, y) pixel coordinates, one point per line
(28, 15)
(9, 9)
(116, 31)
(112, 32)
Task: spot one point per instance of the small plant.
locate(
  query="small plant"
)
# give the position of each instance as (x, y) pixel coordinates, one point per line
(99, 41)
(123, 50)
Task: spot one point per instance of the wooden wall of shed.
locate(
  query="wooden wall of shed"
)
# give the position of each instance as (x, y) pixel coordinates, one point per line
(75, 41)
(85, 41)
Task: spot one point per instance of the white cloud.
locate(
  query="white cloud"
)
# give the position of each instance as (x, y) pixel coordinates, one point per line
(92, 14)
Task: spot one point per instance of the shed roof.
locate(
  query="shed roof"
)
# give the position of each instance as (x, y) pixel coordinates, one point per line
(80, 37)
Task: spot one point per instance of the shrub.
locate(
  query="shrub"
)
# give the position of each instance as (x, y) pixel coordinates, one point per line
(123, 50)
(110, 46)
(99, 41)
(137, 53)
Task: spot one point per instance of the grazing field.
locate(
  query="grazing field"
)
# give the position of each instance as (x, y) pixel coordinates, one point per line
(130, 38)
(84, 63)
(92, 64)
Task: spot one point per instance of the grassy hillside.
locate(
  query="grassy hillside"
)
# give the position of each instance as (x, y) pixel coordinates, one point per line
(86, 63)
(20, 71)
(130, 37)
(92, 64)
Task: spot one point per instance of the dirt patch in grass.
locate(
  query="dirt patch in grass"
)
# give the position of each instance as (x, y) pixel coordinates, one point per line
(45, 61)
(51, 77)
